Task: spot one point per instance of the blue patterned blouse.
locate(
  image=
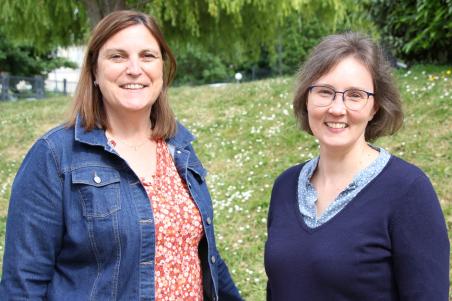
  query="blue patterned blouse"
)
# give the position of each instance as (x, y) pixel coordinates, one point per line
(307, 195)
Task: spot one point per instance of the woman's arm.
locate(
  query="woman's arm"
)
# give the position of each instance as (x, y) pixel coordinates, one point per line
(420, 245)
(227, 291)
(269, 292)
(34, 227)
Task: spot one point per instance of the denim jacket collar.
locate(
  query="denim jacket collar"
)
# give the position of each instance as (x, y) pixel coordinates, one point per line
(182, 138)
(94, 137)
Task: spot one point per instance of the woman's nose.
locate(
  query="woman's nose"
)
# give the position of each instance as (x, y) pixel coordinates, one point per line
(133, 67)
(338, 105)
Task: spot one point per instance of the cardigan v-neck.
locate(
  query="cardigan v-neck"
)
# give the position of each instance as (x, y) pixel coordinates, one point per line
(390, 243)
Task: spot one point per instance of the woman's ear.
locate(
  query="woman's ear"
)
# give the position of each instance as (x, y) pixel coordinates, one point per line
(375, 109)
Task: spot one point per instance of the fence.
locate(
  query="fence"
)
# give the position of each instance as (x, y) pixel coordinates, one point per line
(17, 87)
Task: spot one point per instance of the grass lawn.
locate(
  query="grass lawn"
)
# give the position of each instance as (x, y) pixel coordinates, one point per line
(246, 137)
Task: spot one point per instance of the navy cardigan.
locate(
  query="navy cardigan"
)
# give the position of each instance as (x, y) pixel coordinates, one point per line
(389, 243)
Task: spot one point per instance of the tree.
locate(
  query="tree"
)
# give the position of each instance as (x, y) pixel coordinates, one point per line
(416, 30)
(25, 60)
(43, 24)
(216, 36)
(232, 27)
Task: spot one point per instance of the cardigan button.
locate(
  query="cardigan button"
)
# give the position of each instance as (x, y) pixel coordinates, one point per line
(208, 220)
(213, 259)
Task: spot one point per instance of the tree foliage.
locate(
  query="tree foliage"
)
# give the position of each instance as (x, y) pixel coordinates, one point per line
(25, 60)
(195, 65)
(237, 28)
(232, 27)
(211, 38)
(416, 30)
(44, 24)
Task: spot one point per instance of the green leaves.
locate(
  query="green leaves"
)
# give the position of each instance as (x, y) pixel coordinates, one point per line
(416, 30)
(44, 24)
(26, 60)
(227, 26)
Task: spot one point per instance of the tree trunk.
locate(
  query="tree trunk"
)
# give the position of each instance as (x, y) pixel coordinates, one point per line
(97, 9)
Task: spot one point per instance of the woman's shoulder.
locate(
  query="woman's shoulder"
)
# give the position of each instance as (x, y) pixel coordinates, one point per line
(290, 175)
(55, 143)
(403, 171)
(182, 137)
(58, 136)
(402, 183)
(58, 132)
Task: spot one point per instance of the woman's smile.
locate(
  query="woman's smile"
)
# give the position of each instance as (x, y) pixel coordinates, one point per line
(130, 71)
(335, 125)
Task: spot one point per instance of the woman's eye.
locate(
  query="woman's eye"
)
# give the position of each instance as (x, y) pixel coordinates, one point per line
(116, 57)
(325, 92)
(149, 56)
(355, 94)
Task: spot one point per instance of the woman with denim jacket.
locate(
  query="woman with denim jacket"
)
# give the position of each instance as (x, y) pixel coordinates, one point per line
(114, 205)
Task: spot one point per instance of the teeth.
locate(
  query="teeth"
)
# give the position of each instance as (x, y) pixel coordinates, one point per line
(336, 125)
(133, 86)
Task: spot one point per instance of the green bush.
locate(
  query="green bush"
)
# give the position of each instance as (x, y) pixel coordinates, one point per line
(297, 38)
(416, 31)
(27, 60)
(195, 65)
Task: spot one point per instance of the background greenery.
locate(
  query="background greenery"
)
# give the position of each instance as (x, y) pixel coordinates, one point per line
(213, 39)
(415, 30)
(246, 137)
(247, 134)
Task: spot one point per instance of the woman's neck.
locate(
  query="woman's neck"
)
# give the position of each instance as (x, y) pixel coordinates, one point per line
(129, 128)
(345, 163)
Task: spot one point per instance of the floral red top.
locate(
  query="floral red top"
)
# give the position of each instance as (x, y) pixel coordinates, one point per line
(178, 230)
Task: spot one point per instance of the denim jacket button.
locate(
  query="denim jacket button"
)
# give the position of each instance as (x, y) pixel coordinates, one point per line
(97, 179)
(213, 259)
(178, 152)
(208, 220)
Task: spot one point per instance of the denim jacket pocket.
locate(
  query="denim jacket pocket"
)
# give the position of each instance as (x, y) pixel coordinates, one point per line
(99, 188)
(99, 194)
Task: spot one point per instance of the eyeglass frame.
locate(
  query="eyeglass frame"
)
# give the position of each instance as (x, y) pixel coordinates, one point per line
(369, 94)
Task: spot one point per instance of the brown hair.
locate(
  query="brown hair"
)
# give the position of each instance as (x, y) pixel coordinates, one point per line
(88, 102)
(327, 54)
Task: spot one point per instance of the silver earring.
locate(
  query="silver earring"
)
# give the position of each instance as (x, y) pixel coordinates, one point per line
(95, 83)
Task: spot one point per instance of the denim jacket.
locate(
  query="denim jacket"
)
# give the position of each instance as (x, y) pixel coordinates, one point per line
(80, 225)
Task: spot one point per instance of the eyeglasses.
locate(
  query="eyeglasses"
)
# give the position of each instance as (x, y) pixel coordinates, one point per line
(354, 99)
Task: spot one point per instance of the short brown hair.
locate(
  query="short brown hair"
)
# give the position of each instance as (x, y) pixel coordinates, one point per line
(327, 54)
(88, 102)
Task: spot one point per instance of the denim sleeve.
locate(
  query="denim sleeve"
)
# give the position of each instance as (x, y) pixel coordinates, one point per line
(420, 245)
(34, 227)
(227, 291)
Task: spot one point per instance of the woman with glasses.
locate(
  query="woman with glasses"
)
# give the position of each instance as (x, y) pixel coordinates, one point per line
(354, 223)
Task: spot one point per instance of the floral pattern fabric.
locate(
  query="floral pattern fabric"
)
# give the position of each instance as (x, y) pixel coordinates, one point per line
(178, 230)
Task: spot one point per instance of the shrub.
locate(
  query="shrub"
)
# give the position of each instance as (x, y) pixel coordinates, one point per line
(417, 31)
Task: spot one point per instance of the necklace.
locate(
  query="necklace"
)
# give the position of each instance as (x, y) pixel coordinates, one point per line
(134, 147)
